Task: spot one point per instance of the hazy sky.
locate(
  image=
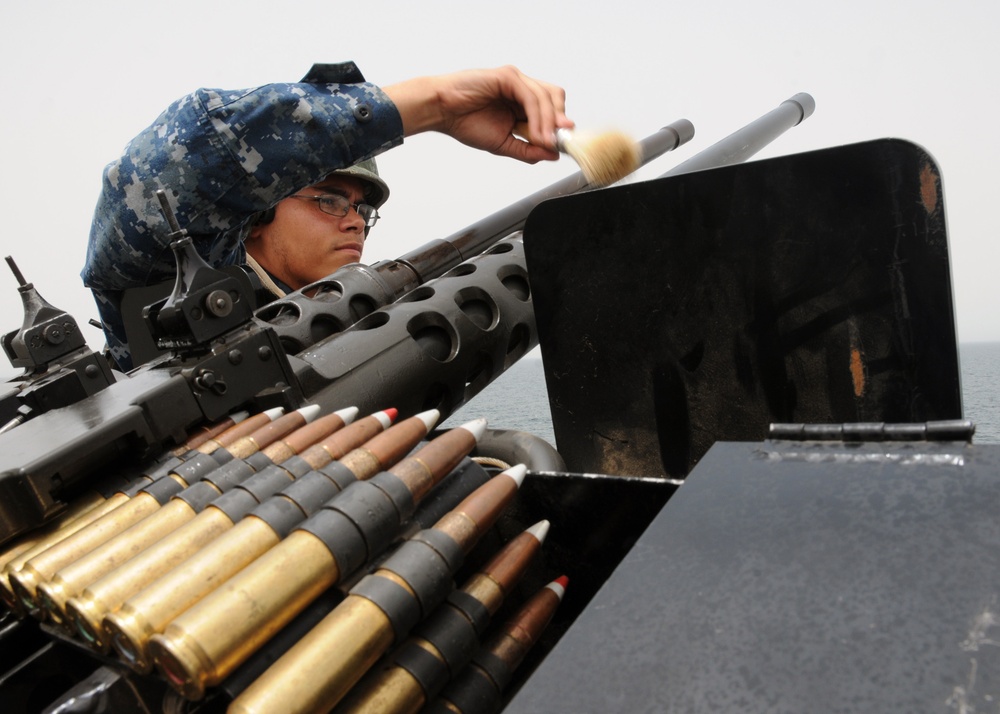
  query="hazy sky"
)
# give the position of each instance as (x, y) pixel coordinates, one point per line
(80, 79)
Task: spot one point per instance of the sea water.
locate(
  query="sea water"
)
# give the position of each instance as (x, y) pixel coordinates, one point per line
(518, 399)
(981, 389)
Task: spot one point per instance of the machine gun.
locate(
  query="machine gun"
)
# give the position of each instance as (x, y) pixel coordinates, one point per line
(451, 336)
(237, 362)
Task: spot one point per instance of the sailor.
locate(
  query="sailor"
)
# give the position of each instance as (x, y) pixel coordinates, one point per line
(282, 177)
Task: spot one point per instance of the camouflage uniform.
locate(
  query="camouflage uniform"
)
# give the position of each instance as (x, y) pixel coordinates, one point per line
(222, 156)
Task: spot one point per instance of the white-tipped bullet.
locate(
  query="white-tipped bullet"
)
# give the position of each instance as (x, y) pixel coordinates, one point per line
(517, 473)
(309, 412)
(348, 415)
(430, 418)
(477, 427)
(539, 530)
(273, 414)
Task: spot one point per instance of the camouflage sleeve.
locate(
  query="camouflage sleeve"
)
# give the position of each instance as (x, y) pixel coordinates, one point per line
(221, 156)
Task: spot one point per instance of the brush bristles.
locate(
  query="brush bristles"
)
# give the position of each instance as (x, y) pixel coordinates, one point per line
(603, 158)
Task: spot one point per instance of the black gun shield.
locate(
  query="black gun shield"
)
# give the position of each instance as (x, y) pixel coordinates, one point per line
(677, 312)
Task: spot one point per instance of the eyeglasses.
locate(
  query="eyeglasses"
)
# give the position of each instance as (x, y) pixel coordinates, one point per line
(336, 205)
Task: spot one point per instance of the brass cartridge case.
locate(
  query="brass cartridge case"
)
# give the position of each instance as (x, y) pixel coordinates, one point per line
(17, 554)
(73, 578)
(361, 461)
(22, 593)
(484, 588)
(317, 671)
(16, 549)
(43, 566)
(397, 692)
(59, 534)
(210, 639)
(148, 610)
(151, 609)
(102, 597)
(88, 609)
(6, 594)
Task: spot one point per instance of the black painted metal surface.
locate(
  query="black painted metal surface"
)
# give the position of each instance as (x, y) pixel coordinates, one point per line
(799, 577)
(812, 288)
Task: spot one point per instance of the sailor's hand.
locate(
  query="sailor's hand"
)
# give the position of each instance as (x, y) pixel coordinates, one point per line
(481, 107)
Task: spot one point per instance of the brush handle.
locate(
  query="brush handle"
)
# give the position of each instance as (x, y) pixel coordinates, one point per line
(562, 137)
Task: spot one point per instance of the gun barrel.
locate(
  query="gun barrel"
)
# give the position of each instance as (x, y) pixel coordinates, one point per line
(744, 143)
(437, 257)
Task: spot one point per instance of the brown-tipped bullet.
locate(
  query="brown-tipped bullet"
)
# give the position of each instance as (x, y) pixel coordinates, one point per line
(321, 668)
(206, 643)
(196, 572)
(209, 432)
(272, 432)
(474, 691)
(72, 578)
(340, 444)
(450, 636)
(105, 521)
(309, 434)
(238, 430)
(466, 523)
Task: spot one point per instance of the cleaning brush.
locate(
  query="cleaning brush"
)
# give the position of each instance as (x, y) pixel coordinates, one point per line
(604, 158)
